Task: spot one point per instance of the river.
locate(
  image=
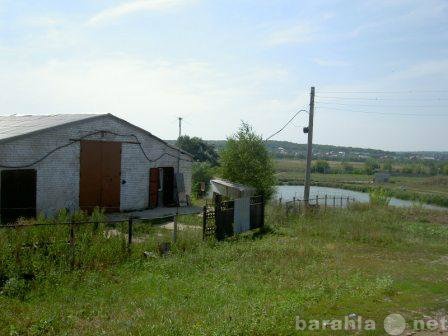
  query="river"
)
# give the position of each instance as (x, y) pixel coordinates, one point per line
(288, 192)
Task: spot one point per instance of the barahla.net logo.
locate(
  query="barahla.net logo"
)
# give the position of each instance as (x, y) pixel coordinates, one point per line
(393, 324)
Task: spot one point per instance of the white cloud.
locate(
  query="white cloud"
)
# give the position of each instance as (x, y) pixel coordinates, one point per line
(147, 93)
(300, 33)
(330, 62)
(132, 7)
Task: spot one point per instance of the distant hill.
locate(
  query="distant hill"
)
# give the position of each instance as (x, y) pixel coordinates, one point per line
(291, 150)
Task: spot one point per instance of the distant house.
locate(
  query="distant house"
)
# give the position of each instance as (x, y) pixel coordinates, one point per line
(381, 177)
(231, 189)
(81, 161)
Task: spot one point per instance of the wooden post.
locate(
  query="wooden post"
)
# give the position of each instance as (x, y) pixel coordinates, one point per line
(317, 200)
(325, 201)
(204, 221)
(309, 155)
(341, 201)
(72, 245)
(334, 201)
(130, 222)
(175, 229)
(262, 211)
(347, 201)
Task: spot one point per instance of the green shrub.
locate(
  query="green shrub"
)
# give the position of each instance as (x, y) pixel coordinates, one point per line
(379, 197)
(202, 173)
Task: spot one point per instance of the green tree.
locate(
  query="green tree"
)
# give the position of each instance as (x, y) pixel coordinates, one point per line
(370, 166)
(387, 166)
(246, 160)
(201, 151)
(321, 166)
(202, 172)
(445, 169)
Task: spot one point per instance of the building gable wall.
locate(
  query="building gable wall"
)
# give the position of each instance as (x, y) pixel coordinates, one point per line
(58, 174)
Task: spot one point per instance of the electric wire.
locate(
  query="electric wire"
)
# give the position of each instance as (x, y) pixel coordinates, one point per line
(284, 126)
(384, 113)
(382, 99)
(381, 105)
(88, 135)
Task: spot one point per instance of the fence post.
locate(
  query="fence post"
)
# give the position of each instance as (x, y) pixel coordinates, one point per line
(130, 222)
(262, 211)
(348, 201)
(317, 200)
(341, 201)
(334, 201)
(72, 244)
(325, 201)
(174, 228)
(204, 221)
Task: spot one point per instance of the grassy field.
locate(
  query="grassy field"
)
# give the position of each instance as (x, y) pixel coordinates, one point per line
(427, 189)
(368, 261)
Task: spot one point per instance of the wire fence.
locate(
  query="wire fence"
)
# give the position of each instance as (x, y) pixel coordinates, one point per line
(326, 201)
(20, 236)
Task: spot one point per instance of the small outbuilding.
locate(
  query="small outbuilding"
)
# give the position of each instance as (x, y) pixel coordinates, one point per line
(81, 161)
(231, 189)
(381, 177)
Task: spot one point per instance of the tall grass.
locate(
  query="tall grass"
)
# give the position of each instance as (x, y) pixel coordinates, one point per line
(41, 248)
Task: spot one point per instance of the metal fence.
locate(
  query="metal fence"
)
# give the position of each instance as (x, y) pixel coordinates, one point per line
(326, 201)
(73, 225)
(218, 218)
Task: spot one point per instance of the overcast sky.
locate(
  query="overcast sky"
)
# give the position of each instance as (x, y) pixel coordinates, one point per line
(380, 67)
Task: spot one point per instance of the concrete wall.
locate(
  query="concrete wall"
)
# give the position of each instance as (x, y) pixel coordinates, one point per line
(58, 174)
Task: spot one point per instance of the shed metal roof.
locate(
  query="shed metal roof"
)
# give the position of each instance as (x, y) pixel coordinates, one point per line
(17, 125)
(230, 184)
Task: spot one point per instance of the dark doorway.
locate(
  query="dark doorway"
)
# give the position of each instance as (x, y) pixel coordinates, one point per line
(168, 186)
(161, 187)
(18, 194)
(100, 170)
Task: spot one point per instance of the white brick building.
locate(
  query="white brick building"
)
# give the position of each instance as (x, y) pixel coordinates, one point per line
(81, 161)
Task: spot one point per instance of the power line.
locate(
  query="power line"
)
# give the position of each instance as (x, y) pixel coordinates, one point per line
(379, 99)
(387, 92)
(88, 135)
(385, 113)
(284, 126)
(382, 105)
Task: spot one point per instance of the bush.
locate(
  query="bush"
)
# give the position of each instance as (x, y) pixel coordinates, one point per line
(321, 166)
(202, 173)
(246, 160)
(379, 197)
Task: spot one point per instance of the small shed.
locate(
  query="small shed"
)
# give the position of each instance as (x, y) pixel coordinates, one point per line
(231, 189)
(83, 161)
(381, 177)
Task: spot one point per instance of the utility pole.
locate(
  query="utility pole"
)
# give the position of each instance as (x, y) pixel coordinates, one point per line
(180, 126)
(309, 156)
(177, 174)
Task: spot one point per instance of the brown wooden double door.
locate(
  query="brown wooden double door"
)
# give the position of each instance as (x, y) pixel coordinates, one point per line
(100, 175)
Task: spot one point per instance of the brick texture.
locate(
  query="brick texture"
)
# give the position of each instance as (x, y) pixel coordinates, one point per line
(58, 174)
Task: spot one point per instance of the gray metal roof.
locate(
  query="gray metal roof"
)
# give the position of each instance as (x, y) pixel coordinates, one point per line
(18, 125)
(15, 126)
(230, 184)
